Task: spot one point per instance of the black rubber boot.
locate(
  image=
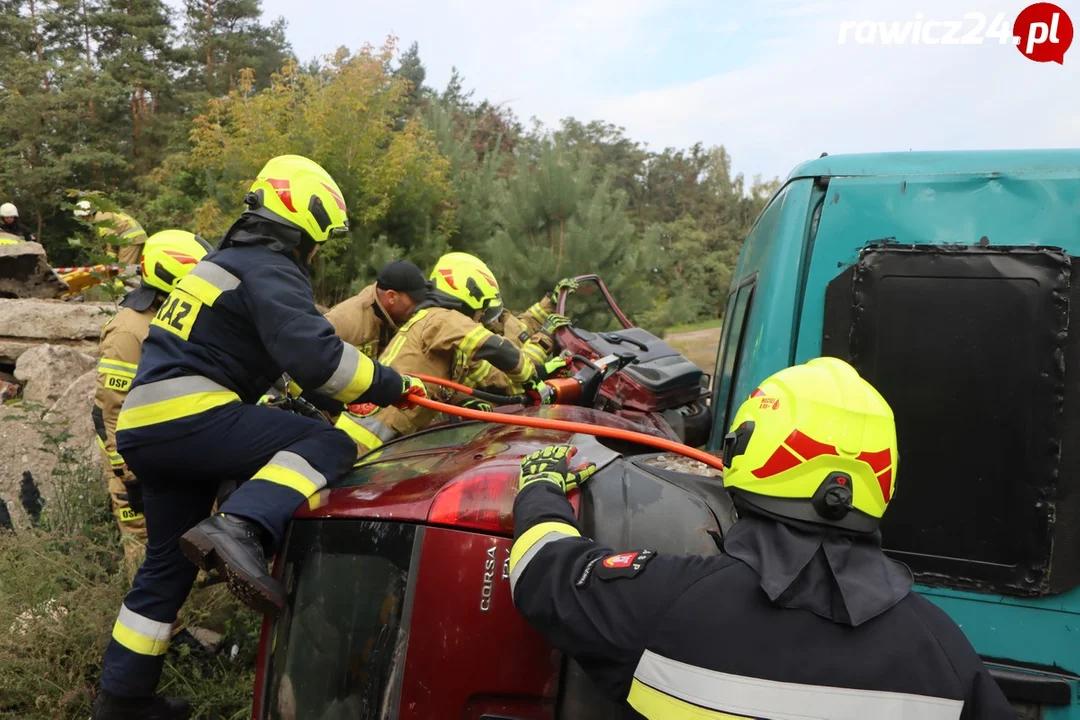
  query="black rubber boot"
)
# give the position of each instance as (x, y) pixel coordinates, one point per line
(233, 547)
(114, 707)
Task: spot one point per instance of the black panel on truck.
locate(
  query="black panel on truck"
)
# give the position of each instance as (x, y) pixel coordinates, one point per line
(976, 350)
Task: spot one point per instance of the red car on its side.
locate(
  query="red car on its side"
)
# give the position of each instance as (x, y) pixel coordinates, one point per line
(397, 575)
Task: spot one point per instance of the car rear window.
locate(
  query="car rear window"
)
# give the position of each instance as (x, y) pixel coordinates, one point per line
(338, 650)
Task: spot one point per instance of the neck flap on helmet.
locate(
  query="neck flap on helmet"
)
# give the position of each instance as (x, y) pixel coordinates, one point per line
(840, 576)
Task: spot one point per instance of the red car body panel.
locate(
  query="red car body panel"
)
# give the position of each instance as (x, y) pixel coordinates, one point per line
(469, 648)
(463, 493)
(412, 486)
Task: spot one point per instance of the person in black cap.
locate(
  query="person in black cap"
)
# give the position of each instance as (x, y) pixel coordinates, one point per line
(370, 320)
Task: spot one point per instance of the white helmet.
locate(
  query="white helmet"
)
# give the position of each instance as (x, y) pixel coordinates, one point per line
(82, 209)
(9, 210)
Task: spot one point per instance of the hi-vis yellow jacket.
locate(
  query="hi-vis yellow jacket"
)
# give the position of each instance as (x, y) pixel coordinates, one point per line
(121, 349)
(362, 322)
(126, 228)
(443, 343)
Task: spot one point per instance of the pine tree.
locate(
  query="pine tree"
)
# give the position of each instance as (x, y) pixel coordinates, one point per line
(473, 177)
(51, 131)
(411, 69)
(227, 36)
(562, 218)
(135, 51)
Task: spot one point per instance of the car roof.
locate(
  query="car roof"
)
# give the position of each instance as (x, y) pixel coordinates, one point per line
(1006, 162)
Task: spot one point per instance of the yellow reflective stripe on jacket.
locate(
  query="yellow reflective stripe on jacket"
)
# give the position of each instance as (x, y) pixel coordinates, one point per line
(293, 471)
(206, 282)
(530, 543)
(367, 432)
(666, 688)
(172, 399)
(654, 704)
(534, 353)
(413, 320)
(471, 342)
(140, 634)
(108, 366)
(538, 313)
(527, 371)
(392, 350)
(115, 459)
(118, 374)
(351, 378)
(479, 374)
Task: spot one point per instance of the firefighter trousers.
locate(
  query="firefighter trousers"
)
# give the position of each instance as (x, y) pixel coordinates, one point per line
(287, 457)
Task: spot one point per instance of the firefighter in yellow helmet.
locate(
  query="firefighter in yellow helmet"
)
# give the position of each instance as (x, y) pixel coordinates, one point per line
(802, 615)
(243, 317)
(115, 226)
(169, 255)
(446, 338)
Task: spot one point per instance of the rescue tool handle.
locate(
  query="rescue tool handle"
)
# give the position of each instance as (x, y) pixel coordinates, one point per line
(571, 427)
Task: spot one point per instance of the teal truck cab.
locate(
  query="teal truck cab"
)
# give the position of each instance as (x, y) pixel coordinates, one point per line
(945, 278)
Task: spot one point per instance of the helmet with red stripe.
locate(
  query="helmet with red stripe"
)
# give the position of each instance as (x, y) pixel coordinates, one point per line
(297, 192)
(170, 255)
(469, 280)
(814, 443)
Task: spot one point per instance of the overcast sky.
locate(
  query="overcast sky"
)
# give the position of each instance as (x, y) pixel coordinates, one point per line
(767, 79)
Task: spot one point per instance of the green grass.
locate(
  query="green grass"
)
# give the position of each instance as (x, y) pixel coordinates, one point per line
(61, 585)
(691, 327)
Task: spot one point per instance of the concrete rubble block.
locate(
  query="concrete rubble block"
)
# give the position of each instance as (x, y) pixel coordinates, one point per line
(47, 372)
(22, 432)
(25, 324)
(10, 350)
(25, 272)
(53, 320)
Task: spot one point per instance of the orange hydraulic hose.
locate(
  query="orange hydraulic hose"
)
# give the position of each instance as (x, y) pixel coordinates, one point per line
(432, 380)
(566, 426)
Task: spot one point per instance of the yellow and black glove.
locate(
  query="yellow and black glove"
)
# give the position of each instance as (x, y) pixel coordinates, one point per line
(568, 284)
(552, 464)
(547, 330)
(554, 367)
(410, 386)
(476, 404)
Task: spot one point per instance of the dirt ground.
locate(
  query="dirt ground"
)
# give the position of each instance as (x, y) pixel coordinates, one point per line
(699, 346)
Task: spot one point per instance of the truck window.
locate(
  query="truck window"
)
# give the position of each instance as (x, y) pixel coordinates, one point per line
(731, 345)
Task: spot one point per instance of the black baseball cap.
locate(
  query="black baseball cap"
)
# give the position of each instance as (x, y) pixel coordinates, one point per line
(405, 277)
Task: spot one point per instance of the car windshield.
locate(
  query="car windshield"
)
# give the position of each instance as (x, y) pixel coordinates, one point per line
(338, 647)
